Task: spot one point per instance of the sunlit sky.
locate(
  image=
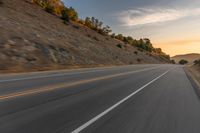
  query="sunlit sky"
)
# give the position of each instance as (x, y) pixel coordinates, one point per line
(173, 25)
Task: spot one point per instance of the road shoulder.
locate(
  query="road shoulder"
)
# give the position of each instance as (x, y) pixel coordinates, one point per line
(193, 75)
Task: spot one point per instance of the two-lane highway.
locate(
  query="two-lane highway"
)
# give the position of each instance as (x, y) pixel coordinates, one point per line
(128, 99)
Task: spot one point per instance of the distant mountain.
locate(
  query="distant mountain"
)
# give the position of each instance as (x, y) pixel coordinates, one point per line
(189, 57)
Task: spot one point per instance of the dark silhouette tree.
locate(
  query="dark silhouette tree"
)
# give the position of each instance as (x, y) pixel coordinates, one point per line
(183, 62)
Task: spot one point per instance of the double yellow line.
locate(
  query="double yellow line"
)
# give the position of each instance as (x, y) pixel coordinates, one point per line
(65, 85)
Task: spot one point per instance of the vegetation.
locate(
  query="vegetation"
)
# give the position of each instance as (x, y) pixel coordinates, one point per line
(119, 45)
(183, 62)
(1, 3)
(57, 7)
(173, 62)
(139, 60)
(49, 8)
(69, 14)
(142, 44)
(197, 62)
(97, 25)
(136, 52)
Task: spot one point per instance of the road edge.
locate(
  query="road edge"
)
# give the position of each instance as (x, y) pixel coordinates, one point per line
(195, 83)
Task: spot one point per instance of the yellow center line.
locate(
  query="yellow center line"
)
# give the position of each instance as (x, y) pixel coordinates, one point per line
(65, 85)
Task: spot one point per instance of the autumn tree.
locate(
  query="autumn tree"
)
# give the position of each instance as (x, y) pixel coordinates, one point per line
(73, 15)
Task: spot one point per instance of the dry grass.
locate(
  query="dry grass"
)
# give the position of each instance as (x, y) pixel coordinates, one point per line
(34, 40)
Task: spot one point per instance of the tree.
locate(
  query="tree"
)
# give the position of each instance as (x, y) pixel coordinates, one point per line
(119, 37)
(64, 14)
(145, 44)
(96, 25)
(88, 22)
(57, 7)
(73, 15)
(183, 62)
(157, 50)
(49, 8)
(129, 40)
(69, 14)
(106, 30)
(80, 21)
(113, 35)
(173, 62)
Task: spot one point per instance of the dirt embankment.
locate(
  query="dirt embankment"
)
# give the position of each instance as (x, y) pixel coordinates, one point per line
(32, 39)
(194, 74)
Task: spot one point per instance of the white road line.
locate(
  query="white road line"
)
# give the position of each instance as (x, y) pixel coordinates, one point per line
(79, 129)
(65, 85)
(52, 75)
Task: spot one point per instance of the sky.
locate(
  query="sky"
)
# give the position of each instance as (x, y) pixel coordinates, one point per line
(173, 25)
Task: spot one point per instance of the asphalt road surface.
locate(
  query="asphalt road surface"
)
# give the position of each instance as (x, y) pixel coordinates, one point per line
(128, 99)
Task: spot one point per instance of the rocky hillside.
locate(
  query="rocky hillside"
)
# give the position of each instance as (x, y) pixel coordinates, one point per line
(32, 39)
(189, 57)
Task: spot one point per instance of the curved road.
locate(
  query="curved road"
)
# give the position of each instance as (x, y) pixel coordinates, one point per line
(126, 99)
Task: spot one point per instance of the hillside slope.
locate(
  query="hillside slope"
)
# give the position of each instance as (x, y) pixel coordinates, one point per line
(32, 39)
(189, 57)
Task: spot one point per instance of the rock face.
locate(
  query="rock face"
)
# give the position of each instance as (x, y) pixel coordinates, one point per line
(32, 39)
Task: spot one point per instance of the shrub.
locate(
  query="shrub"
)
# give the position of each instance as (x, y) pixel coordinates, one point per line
(88, 22)
(136, 53)
(96, 25)
(65, 22)
(1, 3)
(139, 60)
(80, 21)
(119, 37)
(113, 35)
(197, 62)
(145, 44)
(49, 8)
(165, 56)
(64, 15)
(173, 62)
(130, 62)
(141, 50)
(73, 14)
(95, 38)
(119, 45)
(69, 14)
(106, 30)
(183, 62)
(57, 7)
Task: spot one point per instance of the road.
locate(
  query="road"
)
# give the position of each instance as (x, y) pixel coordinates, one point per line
(126, 99)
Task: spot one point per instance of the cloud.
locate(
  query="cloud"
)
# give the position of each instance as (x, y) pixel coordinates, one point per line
(143, 16)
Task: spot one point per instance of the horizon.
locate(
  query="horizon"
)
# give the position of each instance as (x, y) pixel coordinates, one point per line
(171, 25)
